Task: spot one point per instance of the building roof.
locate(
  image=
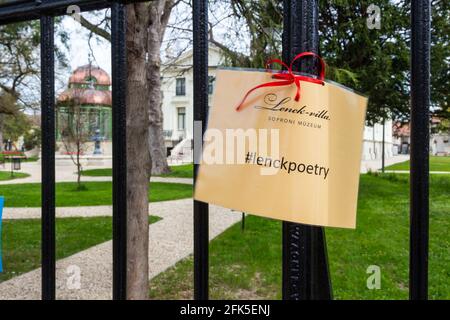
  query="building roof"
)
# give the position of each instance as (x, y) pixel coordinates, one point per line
(85, 97)
(82, 74)
(400, 129)
(86, 90)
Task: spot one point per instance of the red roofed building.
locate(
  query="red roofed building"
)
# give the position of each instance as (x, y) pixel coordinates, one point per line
(88, 88)
(401, 133)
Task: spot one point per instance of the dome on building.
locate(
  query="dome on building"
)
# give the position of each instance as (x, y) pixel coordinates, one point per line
(85, 97)
(88, 85)
(83, 74)
(88, 89)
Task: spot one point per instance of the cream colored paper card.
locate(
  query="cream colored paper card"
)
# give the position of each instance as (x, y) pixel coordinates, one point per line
(313, 178)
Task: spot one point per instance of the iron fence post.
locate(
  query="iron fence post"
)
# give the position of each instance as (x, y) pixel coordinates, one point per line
(420, 140)
(201, 209)
(15, 11)
(119, 114)
(305, 262)
(48, 157)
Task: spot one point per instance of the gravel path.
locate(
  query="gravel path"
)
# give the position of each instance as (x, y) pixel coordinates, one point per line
(171, 239)
(67, 174)
(61, 212)
(375, 165)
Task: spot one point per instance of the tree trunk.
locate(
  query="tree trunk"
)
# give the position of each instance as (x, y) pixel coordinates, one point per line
(138, 155)
(78, 167)
(159, 12)
(2, 117)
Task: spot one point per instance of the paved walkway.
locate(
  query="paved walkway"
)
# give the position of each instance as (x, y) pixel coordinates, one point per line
(68, 174)
(375, 165)
(171, 239)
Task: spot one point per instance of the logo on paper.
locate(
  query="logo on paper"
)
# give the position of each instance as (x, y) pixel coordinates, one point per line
(284, 106)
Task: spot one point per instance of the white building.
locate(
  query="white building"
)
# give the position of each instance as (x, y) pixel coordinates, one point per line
(177, 87)
(440, 144)
(439, 138)
(373, 141)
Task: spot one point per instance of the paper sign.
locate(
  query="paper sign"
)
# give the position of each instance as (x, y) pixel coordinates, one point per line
(304, 166)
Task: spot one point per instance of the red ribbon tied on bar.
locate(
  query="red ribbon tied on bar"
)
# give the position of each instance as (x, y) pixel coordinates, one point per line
(287, 76)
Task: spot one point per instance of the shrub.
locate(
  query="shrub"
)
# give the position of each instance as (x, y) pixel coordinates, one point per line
(32, 139)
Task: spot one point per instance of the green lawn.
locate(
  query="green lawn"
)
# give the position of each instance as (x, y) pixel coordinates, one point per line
(6, 175)
(436, 164)
(248, 265)
(181, 171)
(94, 193)
(21, 240)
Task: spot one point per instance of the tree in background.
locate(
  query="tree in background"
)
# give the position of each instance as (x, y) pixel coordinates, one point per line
(16, 125)
(380, 58)
(32, 138)
(75, 135)
(138, 152)
(377, 59)
(146, 151)
(20, 69)
(159, 12)
(17, 64)
(8, 108)
(440, 60)
(372, 61)
(263, 21)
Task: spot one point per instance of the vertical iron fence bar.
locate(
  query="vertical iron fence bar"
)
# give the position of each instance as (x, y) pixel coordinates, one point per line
(287, 30)
(290, 275)
(119, 78)
(48, 157)
(419, 175)
(201, 209)
(305, 263)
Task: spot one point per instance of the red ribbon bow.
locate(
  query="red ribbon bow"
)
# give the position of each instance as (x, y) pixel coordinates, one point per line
(288, 77)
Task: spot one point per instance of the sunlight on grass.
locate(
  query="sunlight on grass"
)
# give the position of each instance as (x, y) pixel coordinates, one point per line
(21, 240)
(247, 265)
(6, 175)
(436, 164)
(93, 193)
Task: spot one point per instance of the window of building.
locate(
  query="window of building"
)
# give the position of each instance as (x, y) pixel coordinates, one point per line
(181, 87)
(181, 112)
(211, 80)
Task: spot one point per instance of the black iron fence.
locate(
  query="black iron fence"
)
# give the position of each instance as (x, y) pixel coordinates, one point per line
(305, 266)
(45, 10)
